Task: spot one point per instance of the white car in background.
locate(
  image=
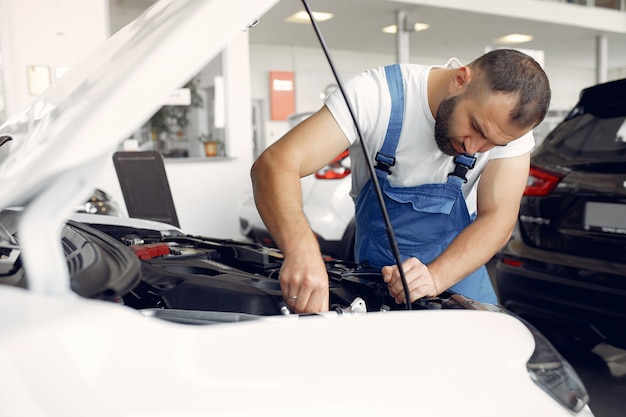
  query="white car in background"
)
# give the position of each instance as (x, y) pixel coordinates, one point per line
(326, 202)
(110, 316)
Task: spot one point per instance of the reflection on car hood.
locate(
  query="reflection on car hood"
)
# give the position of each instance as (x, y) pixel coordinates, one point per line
(82, 117)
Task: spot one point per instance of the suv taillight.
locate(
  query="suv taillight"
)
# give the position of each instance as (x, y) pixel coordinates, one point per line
(337, 169)
(541, 182)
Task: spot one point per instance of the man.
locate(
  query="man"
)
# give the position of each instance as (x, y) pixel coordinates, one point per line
(452, 148)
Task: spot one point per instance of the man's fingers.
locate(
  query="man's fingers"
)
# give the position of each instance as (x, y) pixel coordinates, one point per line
(419, 281)
(317, 302)
(309, 302)
(387, 272)
(306, 296)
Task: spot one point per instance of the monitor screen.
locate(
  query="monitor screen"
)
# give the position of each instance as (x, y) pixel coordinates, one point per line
(145, 186)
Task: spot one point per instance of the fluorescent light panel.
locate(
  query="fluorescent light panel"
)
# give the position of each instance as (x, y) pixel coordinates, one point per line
(417, 28)
(303, 17)
(513, 38)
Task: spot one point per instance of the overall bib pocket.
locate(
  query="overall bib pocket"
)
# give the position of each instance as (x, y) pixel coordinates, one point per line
(421, 218)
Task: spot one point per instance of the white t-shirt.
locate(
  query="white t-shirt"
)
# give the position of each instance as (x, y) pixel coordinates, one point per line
(418, 159)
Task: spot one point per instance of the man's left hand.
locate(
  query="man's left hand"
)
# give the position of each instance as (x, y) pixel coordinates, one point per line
(420, 281)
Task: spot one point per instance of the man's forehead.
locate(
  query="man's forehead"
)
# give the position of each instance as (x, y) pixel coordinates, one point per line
(493, 118)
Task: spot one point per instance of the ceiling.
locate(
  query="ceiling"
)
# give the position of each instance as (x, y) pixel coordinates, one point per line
(357, 26)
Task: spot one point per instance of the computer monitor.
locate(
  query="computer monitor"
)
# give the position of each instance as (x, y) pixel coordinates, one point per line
(145, 187)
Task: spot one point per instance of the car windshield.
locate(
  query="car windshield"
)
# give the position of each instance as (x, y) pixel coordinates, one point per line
(589, 138)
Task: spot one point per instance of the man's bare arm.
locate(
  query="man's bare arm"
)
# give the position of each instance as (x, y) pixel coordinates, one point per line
(278, 195)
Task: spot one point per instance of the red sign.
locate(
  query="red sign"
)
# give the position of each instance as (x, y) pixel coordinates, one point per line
(282, 95)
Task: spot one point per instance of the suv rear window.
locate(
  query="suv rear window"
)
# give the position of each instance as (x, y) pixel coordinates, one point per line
(590, 139)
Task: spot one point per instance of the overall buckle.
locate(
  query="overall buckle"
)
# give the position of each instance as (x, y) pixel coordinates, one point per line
(462, 164)
(384, 162)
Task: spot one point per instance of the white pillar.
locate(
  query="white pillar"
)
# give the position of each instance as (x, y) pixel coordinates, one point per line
(402, 37)
(602, 59)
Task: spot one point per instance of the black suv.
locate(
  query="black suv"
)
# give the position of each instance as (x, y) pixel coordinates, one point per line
(565, 267)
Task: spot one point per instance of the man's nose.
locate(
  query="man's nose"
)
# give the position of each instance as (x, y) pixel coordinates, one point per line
(476, 144)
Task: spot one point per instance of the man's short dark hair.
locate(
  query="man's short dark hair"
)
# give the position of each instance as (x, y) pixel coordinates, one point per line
(512, 71)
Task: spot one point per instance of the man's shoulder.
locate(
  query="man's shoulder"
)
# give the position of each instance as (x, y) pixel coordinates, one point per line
(405, 67)
(379, 74)
(517, 147)
(413, 68)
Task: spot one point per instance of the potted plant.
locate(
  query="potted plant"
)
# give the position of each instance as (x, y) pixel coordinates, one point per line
(211, 144)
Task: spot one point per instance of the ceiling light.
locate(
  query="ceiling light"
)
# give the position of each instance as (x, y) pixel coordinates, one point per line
(513, 38)
(303, 17)
(416, 28)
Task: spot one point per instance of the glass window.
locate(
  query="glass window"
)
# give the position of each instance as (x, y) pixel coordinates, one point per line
(591, 138)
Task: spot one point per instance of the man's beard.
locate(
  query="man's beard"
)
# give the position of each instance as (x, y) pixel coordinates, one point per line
(442, 125)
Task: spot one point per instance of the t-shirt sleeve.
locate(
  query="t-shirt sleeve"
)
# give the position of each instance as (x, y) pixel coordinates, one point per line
(517, 147)
(368, 99)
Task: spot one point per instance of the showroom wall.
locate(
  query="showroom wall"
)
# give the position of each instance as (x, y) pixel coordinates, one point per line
(47, 37)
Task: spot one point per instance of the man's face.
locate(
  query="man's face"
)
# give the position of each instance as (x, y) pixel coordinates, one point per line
(465, 125)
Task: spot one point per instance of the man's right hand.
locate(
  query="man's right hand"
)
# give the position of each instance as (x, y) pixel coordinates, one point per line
(304, 282)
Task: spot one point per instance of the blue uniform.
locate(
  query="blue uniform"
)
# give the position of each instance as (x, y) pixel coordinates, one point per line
(425, 218)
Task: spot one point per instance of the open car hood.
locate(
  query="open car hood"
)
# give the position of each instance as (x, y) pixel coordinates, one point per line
(62, 140)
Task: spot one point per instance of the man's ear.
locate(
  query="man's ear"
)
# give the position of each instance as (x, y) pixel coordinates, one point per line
(461, 78)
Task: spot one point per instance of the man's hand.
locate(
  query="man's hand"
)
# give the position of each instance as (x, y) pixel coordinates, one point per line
(304, 283)
(420, 281)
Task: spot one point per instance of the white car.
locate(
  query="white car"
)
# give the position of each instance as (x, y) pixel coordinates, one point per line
(98, 313)
(327, 205)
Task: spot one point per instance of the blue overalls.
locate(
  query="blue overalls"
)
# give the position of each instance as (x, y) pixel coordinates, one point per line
(425, 218)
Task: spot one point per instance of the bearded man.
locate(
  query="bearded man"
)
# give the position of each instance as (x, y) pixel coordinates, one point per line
(451, 145)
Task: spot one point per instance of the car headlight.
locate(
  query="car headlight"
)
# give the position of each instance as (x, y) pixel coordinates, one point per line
(549, 370)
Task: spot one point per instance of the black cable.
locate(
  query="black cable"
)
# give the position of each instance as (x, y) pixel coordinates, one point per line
(390, 233)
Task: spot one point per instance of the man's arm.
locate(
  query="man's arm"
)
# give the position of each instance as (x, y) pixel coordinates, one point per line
(278, 195)
(500, 190)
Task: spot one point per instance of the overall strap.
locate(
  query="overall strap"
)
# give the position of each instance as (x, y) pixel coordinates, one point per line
(386, 157)
(462, 164)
